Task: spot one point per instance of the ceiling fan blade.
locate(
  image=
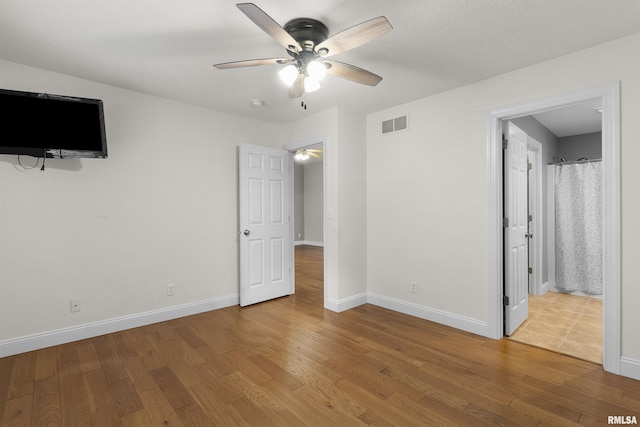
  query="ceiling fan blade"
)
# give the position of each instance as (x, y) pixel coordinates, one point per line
(355, 36)
(252, 63)
(269, 26)
(317, 156)
(297, 88)
(353, 73)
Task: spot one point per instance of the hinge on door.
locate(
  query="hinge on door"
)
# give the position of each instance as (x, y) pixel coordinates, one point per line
(505, 143)
(505, 300)
(505, 222)
(530, 270)
(529, 166)
(530, 218)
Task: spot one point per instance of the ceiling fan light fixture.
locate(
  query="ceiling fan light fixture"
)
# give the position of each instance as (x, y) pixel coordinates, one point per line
(316, 70)
(288, 74)
(301, 155)
(311, 84)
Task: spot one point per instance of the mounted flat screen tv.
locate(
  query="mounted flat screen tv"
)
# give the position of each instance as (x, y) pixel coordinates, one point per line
(55, 126)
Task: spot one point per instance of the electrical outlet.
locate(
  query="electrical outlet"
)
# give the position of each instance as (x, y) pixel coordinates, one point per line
(414, 287)
(170, 290)
(74, 305)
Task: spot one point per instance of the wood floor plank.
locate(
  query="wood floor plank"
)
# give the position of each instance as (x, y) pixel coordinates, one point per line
(251, 414)
(18, 411)
(254, 394)
(23, 376)
(46, 363)
(110, 362)
(46, 402)
(241, 360)
(137, 419)
(125, 397)
(6, 371)
(301, 409)
(102, 403)
(193, 415)
(74, 396)
(330, 406)
(380, 412)
(290, 362)
(158, 409)
(581, 401)
(88, 357)
(218, 406)
(176, 393)
(274, 371)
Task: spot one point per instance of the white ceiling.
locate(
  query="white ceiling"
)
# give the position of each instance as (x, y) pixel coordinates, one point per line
(574, 120)
(167, 48)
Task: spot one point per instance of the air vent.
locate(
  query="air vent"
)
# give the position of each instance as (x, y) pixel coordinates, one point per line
(387, 126)
(395, 125)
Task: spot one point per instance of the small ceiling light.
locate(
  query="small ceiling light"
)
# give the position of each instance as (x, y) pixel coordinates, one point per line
(257, 103)
(316, 70)
(301, 155)
(311, 84)
(599, 110)
(289, 74)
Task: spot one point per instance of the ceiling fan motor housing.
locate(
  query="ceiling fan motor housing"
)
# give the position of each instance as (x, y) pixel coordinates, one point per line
(307, 32)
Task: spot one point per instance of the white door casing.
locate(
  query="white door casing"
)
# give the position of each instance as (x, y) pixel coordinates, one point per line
(264, 201)
(536, 243)
(609, 94)
(516, 282)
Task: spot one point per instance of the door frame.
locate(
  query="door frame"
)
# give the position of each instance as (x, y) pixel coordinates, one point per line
(327, 245)
(609, 95)
(535, 204)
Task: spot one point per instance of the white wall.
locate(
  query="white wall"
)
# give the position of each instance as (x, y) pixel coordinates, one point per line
(113, 233)
(313, 202)
(427, 187)
(298, 198)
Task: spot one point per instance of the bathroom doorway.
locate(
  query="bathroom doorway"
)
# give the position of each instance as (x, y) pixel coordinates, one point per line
(565, 301)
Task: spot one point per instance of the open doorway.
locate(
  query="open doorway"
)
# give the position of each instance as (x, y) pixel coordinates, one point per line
(609, 94)
(309, 223)
(565, 292)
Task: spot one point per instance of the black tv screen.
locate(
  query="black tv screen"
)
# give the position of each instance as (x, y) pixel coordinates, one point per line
(46, 125)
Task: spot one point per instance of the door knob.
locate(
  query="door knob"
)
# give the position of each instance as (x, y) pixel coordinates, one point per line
(246, 232)
(528, 235)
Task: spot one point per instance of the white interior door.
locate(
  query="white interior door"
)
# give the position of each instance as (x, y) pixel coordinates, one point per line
(516, 256)
(265, 232)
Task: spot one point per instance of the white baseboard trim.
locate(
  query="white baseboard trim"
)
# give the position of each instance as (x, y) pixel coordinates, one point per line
(80, 332)
(309, 242)
(346, 303)
(630, 368)
(438, 316)
(544, 288)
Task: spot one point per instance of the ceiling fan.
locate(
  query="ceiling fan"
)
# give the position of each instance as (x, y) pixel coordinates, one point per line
(304, 153)
(308, 45)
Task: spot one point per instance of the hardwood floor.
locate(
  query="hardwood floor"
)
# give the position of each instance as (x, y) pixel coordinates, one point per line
(289, 362)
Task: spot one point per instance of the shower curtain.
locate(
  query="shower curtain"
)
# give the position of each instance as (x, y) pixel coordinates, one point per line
(578, 195)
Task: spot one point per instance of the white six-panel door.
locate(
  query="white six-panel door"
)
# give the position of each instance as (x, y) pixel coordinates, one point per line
(265, 241)
(516, 257)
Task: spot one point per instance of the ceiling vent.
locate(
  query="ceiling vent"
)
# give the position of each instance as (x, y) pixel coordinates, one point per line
(395, 125)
